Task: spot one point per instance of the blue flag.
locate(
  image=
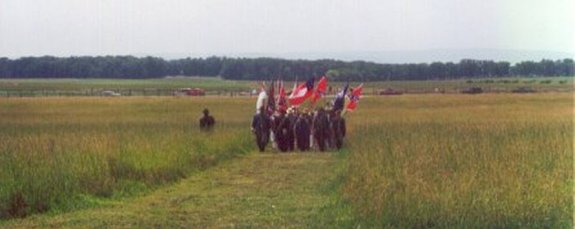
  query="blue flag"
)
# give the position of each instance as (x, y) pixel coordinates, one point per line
(340, 99)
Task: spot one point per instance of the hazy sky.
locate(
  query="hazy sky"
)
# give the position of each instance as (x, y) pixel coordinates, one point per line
(119, 27)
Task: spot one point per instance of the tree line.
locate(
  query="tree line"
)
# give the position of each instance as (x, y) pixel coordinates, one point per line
(131, 67)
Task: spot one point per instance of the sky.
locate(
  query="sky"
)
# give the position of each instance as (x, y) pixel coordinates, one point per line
(220, 27)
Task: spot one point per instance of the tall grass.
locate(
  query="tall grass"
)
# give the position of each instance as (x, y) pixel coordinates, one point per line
(462, 161)
(57, 153)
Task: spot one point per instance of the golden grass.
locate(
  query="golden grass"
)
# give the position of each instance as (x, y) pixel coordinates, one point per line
(492, 160)
(53, 151)
(462, 161)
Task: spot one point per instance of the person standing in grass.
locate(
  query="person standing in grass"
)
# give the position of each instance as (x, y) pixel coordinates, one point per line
(281, 131)
(261, 126)
(321, 129)
(207, 122)
(292, 117)
(302, 130)
(337, 126)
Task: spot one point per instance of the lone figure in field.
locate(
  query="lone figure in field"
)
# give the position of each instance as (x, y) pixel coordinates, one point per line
(207, 122)
(261, 126)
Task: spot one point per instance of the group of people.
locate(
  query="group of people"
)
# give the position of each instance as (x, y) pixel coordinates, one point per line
(293, 129)
(288, 129)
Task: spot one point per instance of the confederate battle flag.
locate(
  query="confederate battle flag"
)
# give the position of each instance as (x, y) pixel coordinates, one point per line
(354, 97)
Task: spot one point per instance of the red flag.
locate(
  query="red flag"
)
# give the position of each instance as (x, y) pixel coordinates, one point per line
(301, 92)
(354, 98)
(320, 90)
(282, 100)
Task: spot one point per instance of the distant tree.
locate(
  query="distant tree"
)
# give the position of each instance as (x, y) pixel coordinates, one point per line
(566, 67)
(270, 68)
(5, 70)
(437, 70)
(469, 68)
(502, 69)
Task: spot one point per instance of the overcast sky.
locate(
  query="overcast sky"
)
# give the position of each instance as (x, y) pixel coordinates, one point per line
(215, 27)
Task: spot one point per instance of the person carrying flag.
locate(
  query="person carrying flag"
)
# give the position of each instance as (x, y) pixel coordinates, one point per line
(337, 128)
(262, 99)
(292, 118)
(321, 129)
(271, 106)
(337, 121)
(281, 126)
(282, 104)
(261, 126)
(302, 129)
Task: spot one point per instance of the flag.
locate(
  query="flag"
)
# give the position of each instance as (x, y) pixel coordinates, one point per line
(301, 92)
(340, 98)
(282, 100)
(320, 90)
(294, 87)
(261, 99)
(271, 100)
(354, 98)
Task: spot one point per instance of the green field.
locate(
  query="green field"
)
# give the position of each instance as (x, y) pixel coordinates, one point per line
(58, 153)
(217, 86)
(411, 161)
(209, 83)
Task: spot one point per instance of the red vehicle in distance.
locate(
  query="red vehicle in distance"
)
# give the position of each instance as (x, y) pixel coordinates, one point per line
(190, 92)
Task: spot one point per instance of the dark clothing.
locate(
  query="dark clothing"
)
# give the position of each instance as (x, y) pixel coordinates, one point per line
(321, 130)
(337, 124)
(329, 139)
(302, 131)
(282, 129)
(291, 132)
(207, 123)
(261, 126)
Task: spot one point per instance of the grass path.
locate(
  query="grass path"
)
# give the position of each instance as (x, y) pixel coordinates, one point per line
(257, 190)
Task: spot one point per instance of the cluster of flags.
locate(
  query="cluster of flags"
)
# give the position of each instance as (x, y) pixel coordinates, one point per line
(304, 91)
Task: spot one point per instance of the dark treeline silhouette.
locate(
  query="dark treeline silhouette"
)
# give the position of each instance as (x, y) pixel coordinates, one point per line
(270, 68)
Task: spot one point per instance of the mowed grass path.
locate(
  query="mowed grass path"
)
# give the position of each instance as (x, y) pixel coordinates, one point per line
(257, 190)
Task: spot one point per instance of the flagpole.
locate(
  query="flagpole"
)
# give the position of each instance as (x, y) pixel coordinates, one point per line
(313, 94)
(278, 88)
(344, 109)
(294, 87)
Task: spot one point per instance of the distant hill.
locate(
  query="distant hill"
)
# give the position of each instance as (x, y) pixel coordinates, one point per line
(394, 57)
